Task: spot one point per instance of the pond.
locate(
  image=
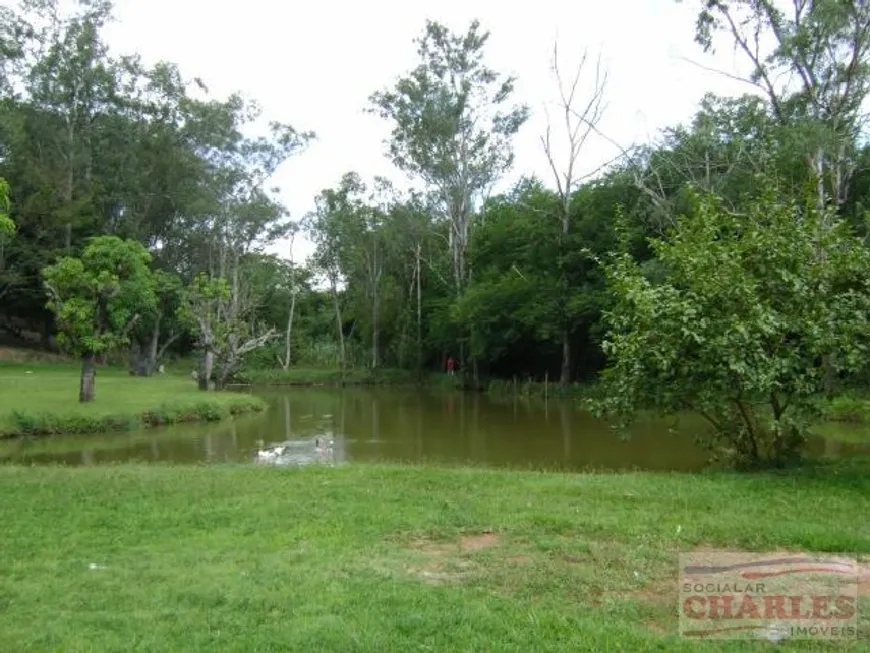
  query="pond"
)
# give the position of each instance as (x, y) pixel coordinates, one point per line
(412, 426)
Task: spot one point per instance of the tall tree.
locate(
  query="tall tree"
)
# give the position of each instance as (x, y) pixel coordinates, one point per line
(578, 117)
(241, 218)
(372, 250)
(825, 46)
(452, 127)
(332, 227)
(412, 238)
(72, 82)
(292, 280)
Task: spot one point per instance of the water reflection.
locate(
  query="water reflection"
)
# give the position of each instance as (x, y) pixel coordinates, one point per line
(408, 426)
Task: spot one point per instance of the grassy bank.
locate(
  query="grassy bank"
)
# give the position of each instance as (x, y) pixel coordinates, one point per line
(301, 376)
(244, 558)
(496, 388)
(850, 407)
(43, 400)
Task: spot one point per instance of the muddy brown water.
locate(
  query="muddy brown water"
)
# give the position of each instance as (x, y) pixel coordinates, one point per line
(372, 425)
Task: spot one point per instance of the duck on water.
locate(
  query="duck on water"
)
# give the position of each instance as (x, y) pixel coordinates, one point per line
(321, 445)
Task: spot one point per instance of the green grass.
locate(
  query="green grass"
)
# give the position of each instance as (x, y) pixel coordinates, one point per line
(39, 399)
(848, 407)
(387, 558)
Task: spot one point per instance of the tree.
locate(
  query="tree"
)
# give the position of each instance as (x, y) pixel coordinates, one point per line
(516, 292)
(364, 229)
(241, 216)
(722, 151)
(293, 282)
(452, 127)
(222, 320)
(825, 47)
(157, 329)
(98, 143)
(579, 120)
(329, 226)
(73, 83)
(7, 230)
(411, 239)
(97, 298)
(7, 227)
(743, 317)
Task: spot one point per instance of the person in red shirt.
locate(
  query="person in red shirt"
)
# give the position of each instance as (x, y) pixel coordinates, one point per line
(451, 365)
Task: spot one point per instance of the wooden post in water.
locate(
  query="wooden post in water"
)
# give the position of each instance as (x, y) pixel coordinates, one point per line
(546, 384)
(515, 385)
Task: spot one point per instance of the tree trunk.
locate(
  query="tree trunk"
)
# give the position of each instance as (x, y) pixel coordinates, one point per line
(162, 351)
(289, 332)
(139, 365)
(340, 329)
(565, 377)
(223, 376)
(206, 369)
(828, 368)
(153, 347)
(419, 314)
(87, 386)
(375, 328)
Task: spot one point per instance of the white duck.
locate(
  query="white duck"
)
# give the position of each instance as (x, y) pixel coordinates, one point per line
(271, 454)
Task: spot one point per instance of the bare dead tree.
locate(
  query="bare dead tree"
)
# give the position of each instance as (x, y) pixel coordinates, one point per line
(578, 120)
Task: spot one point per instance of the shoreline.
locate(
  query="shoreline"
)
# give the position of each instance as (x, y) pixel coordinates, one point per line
(42, 400)
(49, 423)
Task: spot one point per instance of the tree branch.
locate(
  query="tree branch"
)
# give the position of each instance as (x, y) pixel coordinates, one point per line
(254, 343)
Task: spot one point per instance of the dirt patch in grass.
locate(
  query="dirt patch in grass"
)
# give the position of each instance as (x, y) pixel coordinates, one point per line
(433, 548)
(479, 542)
(445, 562)
(467, 543)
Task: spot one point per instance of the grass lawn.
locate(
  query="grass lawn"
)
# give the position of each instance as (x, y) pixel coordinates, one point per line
(42, 399)
(388, 558)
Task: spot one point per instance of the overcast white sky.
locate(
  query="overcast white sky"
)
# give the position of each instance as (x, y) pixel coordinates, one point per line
(313, 65)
